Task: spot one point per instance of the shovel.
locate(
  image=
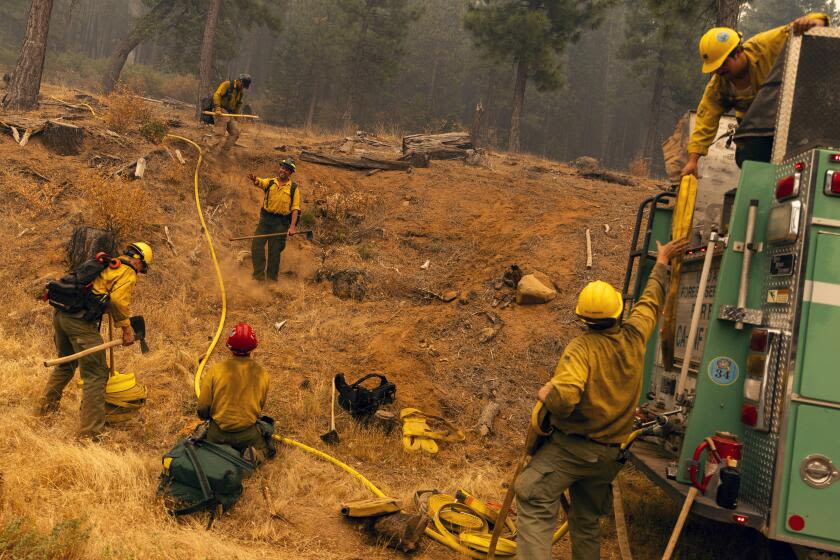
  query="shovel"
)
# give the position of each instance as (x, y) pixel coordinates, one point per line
(138, 325)
(331, 437)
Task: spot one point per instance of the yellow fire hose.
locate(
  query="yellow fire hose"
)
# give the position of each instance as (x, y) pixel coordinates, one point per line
(442, 535)
(220, 328)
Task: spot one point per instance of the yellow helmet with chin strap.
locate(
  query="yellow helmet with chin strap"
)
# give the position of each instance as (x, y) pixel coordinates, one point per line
(717, 44)
(599, 301)
(142, 251)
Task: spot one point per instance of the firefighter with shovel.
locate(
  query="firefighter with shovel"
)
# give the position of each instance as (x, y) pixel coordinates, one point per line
(278, 219)
(81, 298)
(591, 400)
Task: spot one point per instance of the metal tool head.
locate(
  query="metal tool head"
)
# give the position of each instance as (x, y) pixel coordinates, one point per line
(330, 437)
(138, 325)
(309, 235)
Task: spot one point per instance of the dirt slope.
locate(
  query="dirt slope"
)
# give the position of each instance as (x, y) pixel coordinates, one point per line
(469, 223)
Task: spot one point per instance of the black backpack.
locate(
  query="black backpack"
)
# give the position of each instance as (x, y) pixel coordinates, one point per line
(202, 476)
(360, 401)
(72, 292)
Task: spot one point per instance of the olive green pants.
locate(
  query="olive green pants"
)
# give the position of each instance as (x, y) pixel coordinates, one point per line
(227, 125)
(241, 440)
(583, 467)
(73, 334)
(269, 223)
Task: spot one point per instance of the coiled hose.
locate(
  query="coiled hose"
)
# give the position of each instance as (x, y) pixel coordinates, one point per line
(442, 536)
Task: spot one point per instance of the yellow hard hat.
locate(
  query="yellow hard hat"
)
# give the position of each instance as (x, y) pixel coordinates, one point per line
(717, 44)
(599, 300)
(142, 251)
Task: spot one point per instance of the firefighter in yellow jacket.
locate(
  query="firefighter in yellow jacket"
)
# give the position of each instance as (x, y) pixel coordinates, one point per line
(79, 331)
(739, 70)
(592, 401)
(228, 99)
(278, 214)
(233, 394)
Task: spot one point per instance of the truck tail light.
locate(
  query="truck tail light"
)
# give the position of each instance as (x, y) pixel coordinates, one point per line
(832, 183)
(740, 519)
(749, 415)
(758, 340)
(787, 187)
(756, 364)
(834, 158)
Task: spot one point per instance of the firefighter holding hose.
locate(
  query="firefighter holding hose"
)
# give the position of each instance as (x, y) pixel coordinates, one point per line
(745, 78)
(592, 400)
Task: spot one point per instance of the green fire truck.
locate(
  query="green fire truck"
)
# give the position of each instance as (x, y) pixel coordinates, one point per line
(756, 377)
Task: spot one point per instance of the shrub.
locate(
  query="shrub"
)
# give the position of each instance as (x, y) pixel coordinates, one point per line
(154, 131)
(126, 111)
(307, 219)
(122, 207)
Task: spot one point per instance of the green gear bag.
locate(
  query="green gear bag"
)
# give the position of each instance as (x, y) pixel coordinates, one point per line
(202, 476)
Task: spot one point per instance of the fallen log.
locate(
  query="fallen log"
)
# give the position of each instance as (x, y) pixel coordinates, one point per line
(451, 145)
(63, 139)
(349, 162)
(29, 127)
(609, 178)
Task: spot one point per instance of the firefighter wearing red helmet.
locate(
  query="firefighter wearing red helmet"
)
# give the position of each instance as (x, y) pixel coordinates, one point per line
(233, 394)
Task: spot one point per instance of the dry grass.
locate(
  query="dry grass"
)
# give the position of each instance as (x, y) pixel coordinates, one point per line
(76, 500)
(126, 111)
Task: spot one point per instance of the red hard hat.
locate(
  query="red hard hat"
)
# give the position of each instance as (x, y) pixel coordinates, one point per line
(242, 339)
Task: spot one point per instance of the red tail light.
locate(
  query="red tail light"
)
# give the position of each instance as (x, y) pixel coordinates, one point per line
(834, 158)
(832, 184)
(740, 519)
(787, 187)
(749, 415)
(796, 522)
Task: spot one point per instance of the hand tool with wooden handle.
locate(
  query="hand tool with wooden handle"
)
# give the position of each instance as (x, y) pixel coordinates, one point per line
(307, 232)
(138, 325)
(675, 535)
(234, 115)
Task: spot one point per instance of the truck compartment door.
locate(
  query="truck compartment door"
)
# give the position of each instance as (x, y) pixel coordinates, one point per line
(820, 371)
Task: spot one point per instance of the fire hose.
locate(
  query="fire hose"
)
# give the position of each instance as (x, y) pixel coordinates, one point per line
(439, 533)
(220, 328)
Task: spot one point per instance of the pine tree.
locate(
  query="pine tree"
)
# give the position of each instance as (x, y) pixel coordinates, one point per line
(26, 78)
(530, 33)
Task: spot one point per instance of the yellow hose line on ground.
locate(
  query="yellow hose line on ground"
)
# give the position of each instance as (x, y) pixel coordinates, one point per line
(220, 328)
(343, 466)
(446, 539)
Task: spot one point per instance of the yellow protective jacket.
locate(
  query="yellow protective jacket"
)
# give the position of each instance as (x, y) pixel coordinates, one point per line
(229, 98)
(277, 196)
(721, 96)
(233, 393)
(119, 284)
(598, 379)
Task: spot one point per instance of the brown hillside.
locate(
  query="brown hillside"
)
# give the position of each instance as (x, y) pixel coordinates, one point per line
(469, 223)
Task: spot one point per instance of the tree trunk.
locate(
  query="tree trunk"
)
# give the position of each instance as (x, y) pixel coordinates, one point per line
(727, 13)
(86, 242)
(518, 105)
(313, 103)
(651, 140)
(26, 78)
(143, 29)
(475, 133)
(206, 63)
(347, 118)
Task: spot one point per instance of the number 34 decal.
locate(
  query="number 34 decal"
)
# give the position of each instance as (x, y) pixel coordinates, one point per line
(723, 371)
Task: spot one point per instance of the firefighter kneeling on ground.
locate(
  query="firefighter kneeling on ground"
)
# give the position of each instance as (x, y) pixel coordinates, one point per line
(279, 214)
(233, 394)
(592, 400)
(228, 99)
(111, 291)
